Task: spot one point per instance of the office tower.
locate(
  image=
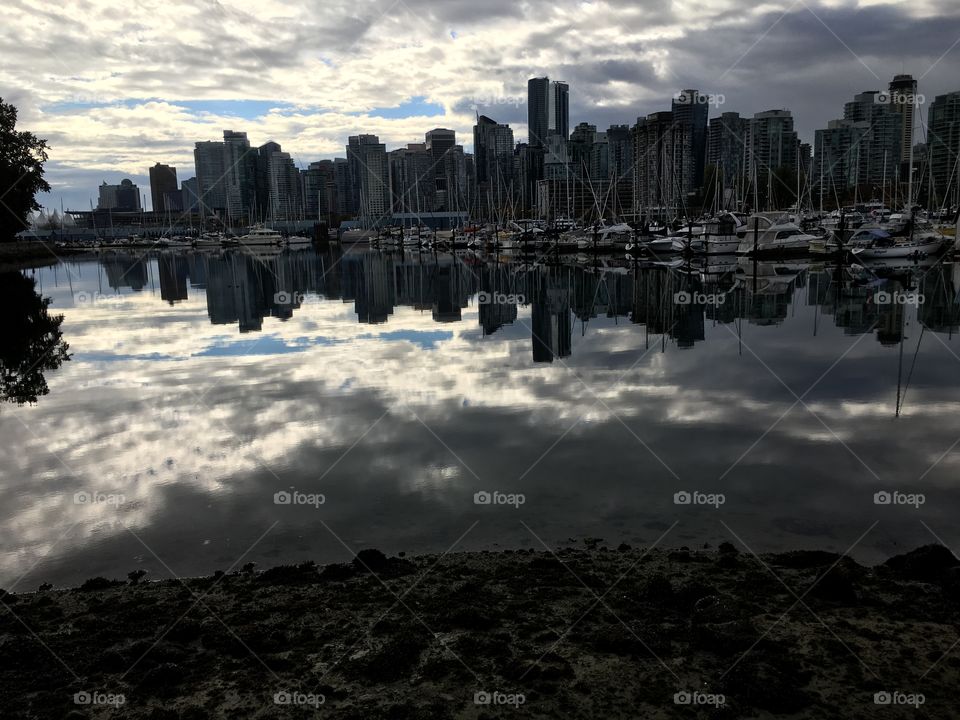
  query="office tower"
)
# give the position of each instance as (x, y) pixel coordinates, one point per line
(528, 171)
(579, 147)
(880, 147)
(838, 162)
(943, 149)
(691, 107)
(727, 147)
(190, 195)
(620, 143)
(320, 191)
(599, 165)
(355, 154)
(122, 197)
(163, 188)
(548, 110)
(663, 164)
(209, 160)
(773, 149)
(492, 151)
(902, 94)
(239, 174)
(412, 179)
(440, 143)
(284, 182)
(370, 177)
(341, 168)
(558, 109)
(538, 90)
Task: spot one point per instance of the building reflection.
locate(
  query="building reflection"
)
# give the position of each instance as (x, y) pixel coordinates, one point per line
(679, 303)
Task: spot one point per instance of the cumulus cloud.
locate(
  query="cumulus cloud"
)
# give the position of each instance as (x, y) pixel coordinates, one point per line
(117, 90)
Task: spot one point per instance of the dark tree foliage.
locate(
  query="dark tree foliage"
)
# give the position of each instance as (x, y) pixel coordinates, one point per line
(22, 155)
(30, 340)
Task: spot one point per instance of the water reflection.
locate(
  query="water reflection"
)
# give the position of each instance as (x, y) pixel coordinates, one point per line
(399, 386)
(673, 299)
(32, 341)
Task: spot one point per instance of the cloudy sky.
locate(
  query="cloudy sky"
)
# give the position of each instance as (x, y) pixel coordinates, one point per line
(116, 87)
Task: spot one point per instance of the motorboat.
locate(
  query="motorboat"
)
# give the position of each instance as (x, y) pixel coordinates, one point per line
(259, 235)
(772, 232)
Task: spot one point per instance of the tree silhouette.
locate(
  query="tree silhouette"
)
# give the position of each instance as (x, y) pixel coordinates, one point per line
(22, 155)
(30, 340)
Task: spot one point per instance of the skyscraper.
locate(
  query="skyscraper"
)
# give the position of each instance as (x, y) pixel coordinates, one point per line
(284, 181)
(209, 158)
(538, 90)
(493, 161)
(727, 146)
(412, 179)
(189, 195)
(123, 197)
(903, 98)
(663, 164)
(239, 174)
(880, 148)
(440, 143)
(773, 147)
(558, 109)
(548, 110)
(163, 188)
(369, 177)
(840, 161)
(355, 154)
(944, 148)
(691, 107)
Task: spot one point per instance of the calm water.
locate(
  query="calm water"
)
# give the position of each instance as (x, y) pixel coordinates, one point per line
(199, 386)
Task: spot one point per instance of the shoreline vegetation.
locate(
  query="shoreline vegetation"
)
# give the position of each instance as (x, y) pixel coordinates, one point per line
(26, 254)
(587, 632)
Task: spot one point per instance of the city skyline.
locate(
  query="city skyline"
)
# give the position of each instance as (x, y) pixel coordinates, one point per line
(396, 73)
(667, 162)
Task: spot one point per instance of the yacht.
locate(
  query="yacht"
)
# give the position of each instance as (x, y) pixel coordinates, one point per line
(923, 243)
(772, 232)
(260, 235)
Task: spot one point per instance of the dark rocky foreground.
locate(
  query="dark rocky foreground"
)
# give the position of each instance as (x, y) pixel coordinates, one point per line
(591, 633)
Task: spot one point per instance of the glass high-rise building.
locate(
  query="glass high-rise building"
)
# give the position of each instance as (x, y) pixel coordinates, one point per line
(903, 98)
(548, 110)
(943, 146)
(691, 107)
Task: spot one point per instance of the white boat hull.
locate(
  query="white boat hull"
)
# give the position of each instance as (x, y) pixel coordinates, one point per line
(900, 251)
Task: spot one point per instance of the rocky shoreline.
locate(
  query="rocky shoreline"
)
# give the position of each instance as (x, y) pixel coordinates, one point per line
(588, 632)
